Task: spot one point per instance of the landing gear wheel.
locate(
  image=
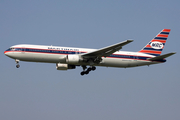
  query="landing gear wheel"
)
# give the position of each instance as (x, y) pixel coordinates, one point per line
(93, 68)
(86, 72)
(82, 73)
(17, 63)
(89, 69)
(17, 66)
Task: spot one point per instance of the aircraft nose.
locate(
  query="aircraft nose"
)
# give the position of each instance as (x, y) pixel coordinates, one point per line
(6, 53)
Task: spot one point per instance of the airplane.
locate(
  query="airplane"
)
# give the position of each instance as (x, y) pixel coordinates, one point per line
(69, 57)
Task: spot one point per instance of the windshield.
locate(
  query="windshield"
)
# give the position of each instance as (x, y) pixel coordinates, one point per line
(13, 49)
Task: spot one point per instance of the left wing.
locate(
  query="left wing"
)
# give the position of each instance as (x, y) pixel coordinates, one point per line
(106, 51)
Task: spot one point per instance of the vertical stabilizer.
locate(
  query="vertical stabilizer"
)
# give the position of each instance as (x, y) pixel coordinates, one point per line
(156, 45)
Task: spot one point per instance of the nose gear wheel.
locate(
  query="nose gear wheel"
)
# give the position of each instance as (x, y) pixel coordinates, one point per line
(17, 63)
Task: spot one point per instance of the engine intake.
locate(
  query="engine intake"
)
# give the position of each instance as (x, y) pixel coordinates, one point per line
(60, 66)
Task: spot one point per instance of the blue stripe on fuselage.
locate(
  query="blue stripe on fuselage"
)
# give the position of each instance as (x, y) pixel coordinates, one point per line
(49, 51)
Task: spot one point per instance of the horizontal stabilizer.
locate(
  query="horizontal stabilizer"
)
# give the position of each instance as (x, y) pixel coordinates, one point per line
(162, 56)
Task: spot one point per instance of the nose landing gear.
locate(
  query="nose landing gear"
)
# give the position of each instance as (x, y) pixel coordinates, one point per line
(91, 68)
(17, 63)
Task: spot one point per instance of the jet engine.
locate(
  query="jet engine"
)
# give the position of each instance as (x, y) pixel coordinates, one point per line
(60, 66)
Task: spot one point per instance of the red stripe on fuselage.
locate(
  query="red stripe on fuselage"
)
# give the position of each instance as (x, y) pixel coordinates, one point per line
(6, 51)
(83, 52)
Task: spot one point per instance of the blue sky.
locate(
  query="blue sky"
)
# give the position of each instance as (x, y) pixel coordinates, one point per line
(39, 91)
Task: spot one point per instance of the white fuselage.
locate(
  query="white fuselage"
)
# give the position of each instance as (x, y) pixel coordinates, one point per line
(55, 54)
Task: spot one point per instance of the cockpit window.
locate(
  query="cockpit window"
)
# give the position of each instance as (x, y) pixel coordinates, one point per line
(12, 48)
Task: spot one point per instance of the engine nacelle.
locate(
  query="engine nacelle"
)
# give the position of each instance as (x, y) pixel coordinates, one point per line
(60, 66)
(73, 59)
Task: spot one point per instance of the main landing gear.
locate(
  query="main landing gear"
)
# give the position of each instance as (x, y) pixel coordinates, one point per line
(92, 68)
(17, 63)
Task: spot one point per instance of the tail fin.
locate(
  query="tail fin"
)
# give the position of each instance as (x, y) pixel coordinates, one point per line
(156, 45)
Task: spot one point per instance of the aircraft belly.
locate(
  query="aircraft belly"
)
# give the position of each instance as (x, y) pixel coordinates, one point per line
(55, 58)
(113, 62)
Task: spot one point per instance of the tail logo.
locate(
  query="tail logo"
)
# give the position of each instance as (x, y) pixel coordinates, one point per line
(156, 45)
